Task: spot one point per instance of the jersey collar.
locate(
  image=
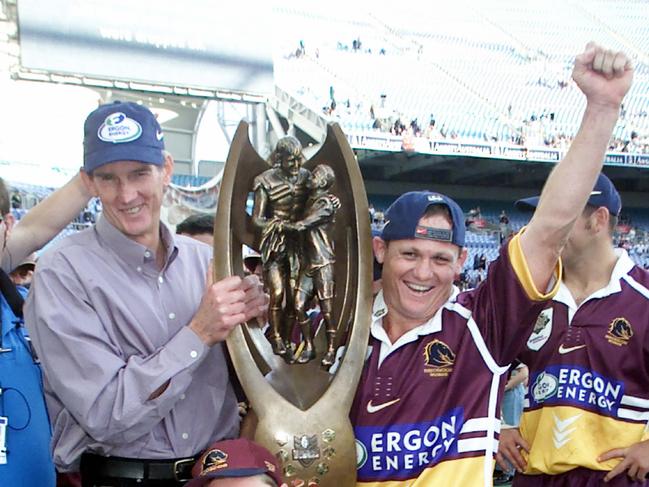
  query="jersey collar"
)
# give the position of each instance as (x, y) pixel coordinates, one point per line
(622, 267)
(380, 309)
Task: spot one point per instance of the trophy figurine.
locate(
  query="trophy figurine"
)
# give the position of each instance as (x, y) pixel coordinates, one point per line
(310, 223)
(295, 211)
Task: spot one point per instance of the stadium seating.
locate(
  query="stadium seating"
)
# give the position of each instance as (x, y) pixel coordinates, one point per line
(487, 72)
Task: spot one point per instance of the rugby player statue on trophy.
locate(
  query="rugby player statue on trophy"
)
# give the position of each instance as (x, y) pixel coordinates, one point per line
(295, 211)
(310, 224)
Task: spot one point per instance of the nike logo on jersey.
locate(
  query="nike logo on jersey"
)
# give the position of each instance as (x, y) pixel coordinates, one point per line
(371, 408)
(564, 350)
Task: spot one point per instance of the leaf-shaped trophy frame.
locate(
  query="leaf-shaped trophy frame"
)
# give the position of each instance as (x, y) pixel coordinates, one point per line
(302, 409)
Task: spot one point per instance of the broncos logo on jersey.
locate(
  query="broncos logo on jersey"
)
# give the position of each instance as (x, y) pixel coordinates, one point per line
(541, 322)
(439, 354)
(619, 332)
(214, 460)
(542, 330)
(439, 359)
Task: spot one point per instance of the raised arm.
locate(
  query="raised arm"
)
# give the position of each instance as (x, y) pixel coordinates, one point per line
(43, 222)
(604, 77)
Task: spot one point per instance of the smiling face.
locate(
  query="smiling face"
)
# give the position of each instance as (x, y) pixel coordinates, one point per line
(291, 164)
(418, 274)
(288, 156)
(131, 196)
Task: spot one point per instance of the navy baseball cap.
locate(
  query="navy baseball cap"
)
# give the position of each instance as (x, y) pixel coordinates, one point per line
(234, 458)
(402, 218)
(121, 131)
(603, 194)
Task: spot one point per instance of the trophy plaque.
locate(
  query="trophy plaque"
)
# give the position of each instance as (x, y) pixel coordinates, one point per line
(310, 223)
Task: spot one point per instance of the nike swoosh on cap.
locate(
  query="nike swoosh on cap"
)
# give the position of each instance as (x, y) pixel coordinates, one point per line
(371, 408)
(563, 350)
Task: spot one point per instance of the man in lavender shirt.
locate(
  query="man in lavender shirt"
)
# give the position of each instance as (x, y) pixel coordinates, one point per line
(129, 324)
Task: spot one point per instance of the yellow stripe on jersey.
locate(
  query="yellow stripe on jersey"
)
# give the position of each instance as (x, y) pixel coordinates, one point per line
(467, 472)
(563, 438)
(522, 271)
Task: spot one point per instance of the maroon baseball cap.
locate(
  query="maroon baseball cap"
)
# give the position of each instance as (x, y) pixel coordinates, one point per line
(234, 458)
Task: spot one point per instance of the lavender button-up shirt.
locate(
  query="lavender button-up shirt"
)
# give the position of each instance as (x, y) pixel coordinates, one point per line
(110, 329)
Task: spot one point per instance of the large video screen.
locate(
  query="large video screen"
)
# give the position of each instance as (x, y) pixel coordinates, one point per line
(200, 43)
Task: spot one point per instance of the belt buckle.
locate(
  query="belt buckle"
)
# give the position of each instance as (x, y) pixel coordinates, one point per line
(180, 469)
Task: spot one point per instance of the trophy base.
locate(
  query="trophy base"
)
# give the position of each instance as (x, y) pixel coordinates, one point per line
(314, 449)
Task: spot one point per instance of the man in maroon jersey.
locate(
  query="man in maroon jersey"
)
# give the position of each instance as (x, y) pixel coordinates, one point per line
(426, 411)
(588, 400)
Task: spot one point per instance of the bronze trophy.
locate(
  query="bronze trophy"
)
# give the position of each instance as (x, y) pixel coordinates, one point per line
(310, 223)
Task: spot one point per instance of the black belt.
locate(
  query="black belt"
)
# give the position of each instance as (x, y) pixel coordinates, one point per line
(99, 467)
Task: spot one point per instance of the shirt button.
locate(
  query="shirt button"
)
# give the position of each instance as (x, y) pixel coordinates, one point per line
(147, 254)
(185, 436)
(160, 279)
(138, 268)
(172, 316)
(182, 396)
(193, 354)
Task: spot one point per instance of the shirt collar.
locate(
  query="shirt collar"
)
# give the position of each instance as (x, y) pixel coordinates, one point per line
(623, 266)
(380, 310)
(169, 241)
(132, 252)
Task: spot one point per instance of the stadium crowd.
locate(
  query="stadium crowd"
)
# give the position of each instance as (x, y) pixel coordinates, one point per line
(381, 110)
(533, 132)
